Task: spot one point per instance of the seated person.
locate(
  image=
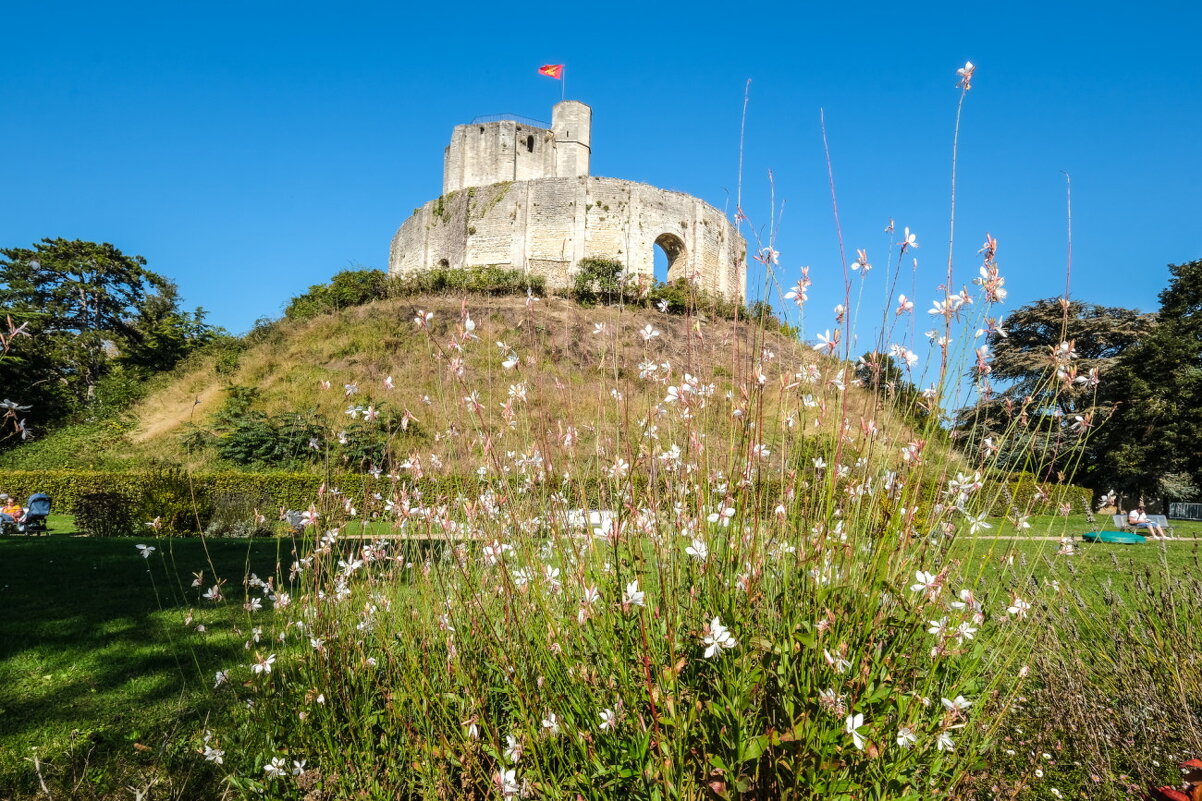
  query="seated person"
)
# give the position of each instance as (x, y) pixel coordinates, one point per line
(10, 512)
(1136, 518)
(11, 508)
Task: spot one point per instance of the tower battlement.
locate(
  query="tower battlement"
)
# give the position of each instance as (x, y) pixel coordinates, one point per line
(486, 153)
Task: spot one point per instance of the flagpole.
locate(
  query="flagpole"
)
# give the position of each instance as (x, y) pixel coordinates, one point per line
(563, 84)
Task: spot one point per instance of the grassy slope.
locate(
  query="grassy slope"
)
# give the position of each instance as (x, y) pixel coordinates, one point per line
(363, 345)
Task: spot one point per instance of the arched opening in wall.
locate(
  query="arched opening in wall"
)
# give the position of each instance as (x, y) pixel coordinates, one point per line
(529, 144)
(444, 264)
(670, 259)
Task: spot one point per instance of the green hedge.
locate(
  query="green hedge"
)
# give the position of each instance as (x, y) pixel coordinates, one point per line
(293, 490)
(1002, 496)
(298, 490)
(290, 490)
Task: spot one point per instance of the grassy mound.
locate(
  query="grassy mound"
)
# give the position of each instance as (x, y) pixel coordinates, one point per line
(296, 391)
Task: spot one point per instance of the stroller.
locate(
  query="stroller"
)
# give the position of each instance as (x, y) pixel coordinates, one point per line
(34, 521)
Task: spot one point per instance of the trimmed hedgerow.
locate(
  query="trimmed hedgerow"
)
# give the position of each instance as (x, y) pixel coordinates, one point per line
(1035, 497)
(298, 490)
(103, 514)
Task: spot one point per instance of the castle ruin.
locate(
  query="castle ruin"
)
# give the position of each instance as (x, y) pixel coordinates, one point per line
(519, 196)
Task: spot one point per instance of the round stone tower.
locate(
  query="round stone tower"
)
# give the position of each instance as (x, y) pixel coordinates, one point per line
(518, 195)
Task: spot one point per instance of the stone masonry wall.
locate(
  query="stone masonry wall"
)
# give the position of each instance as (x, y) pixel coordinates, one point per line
(547, 226)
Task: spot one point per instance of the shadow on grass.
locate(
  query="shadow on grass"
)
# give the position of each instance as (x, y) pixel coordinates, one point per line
(93, 650)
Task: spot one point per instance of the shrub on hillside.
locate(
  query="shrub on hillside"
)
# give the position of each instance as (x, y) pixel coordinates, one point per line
(474, 279)
(597, 281)
(346, 289)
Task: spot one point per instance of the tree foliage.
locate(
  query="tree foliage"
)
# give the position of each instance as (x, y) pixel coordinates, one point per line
(1056, 360)
(1153, 443)
(90, 312)
(1109, 394)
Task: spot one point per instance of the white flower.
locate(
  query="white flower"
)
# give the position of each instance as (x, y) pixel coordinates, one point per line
(221, 677)
(861, 263)
(263, 665)
(214, 755)
(276, 767)
(944, 742)
(649, 332)
(958, 704)
(965, 74)
(698, 550)
(837, 662)
(925, 582)
(965, 631)
(513, 748)
(977, 523)
(509, 783)
(827, 342)
(831, 701)
(609, 719)
(551, 723)
(633, 595)
(906, 737)
(145, 550)
(717, 637)
(853, 725)
(298, 767)
(1019, 607)
(938, 627)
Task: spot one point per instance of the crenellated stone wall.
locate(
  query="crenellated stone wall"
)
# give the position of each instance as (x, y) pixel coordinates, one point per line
(520, 197)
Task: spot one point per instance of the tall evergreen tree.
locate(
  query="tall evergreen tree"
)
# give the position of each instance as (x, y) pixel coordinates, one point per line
(1053, 361)
(1153, 443)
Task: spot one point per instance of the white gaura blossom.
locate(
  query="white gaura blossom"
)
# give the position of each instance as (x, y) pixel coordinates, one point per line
(1019, 607)
(717, 637)
(853, 725)
(633, 596)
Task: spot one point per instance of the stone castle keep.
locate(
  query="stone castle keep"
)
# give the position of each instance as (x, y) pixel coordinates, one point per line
(521, 197)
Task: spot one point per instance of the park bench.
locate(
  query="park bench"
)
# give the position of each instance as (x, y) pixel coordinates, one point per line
(1121, 524)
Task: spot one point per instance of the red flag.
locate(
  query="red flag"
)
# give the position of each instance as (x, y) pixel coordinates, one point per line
(552, 71)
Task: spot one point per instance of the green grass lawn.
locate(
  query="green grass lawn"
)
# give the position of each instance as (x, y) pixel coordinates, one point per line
(102, 682)
(94, 655)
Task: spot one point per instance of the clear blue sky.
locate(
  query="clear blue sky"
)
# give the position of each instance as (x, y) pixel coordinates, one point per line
(250, 149)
